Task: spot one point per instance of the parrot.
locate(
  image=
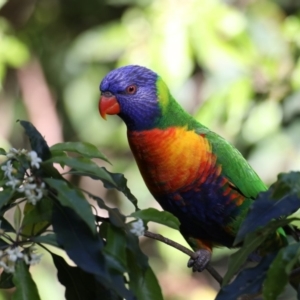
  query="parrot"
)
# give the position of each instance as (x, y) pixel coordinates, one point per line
(191, 171)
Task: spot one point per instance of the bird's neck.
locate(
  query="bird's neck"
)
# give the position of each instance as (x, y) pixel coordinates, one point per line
(173, 115)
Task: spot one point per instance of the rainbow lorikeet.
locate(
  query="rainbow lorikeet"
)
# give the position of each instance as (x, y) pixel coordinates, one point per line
(191, 171)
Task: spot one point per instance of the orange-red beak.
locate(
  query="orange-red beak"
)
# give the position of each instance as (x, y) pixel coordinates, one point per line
(108, 106)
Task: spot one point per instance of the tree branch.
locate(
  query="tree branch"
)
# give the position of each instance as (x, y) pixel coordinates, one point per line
(185, 250)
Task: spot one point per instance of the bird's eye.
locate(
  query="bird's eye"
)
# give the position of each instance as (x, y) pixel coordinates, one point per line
(131, 89)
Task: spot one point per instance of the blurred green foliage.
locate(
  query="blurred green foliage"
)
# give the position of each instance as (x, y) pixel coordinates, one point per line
(234, 64)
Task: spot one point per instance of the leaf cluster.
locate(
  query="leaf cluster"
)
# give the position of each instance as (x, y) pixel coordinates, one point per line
(108, 258)
(270, 216)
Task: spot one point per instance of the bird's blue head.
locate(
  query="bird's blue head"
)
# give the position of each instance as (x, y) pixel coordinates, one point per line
(133, 93)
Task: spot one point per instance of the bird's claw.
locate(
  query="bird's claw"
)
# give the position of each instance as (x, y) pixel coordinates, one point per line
(199, 263)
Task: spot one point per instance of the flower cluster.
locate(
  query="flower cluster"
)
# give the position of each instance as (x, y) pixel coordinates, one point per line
(33, 191)
(9, 256)
(31, 156)
(138, 228)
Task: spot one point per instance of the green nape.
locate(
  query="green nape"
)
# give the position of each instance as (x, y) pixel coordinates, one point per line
(172, 113)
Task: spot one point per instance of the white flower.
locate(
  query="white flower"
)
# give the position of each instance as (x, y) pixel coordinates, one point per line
(9, 256)
(32, 258)
(23, 151)
(34, 159)
(40, 191)
(13, 182)
(21, 189)
(8, 168)
(39, 194)
(138, 228)
(7, 268)
(32, 199)
(14, 254)
(32, 192)
(13, 152)
(30, 179)
(29, 187)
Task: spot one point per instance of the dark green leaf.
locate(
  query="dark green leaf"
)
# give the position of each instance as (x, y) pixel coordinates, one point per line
(86, 167)
(55, 153)
(154, 215)
(115, 217)
(25, 287)
(2, 151)
(134, 250)
(6, 226)
(148, 287)
(83, 246)
(119, 182)
(3, 244)
(49, 239)
(6, 281)
(248, 281)
(282, 199)
(37, 142)
(143, 283)
(37, 213)
(136, 261)
(278, 273)
(37, 217)
(5, 196)
(73, 199)
(48, 170)
(115, 241)
(252, 241)
(85, 249)
(83, 148)
(80, 285)
(2, 182)
(287, 183)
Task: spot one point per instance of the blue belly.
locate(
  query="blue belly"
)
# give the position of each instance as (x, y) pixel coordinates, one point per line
(204, 212)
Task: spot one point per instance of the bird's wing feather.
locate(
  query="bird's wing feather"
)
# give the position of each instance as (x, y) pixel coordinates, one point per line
(234, 166)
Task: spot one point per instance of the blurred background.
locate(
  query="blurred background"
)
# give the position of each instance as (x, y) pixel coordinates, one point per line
(233, 64)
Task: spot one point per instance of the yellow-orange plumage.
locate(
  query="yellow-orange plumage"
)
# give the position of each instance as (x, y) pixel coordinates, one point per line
(171, 159)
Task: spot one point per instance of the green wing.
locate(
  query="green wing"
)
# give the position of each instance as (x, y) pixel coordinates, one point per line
(234, 165)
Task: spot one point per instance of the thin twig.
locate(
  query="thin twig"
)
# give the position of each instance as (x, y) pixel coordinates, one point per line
(185, 250)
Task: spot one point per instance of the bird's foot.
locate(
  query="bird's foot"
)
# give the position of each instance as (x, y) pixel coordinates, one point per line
(199, 263)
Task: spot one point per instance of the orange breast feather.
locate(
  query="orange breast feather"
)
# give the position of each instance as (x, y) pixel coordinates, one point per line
(172, 159)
